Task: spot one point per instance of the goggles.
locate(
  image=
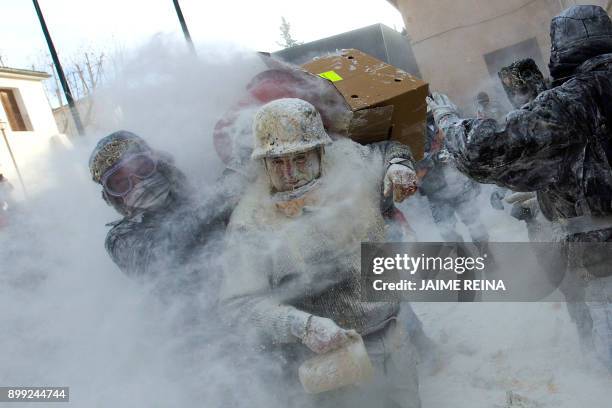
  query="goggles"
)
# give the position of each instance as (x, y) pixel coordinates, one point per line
(118, 181)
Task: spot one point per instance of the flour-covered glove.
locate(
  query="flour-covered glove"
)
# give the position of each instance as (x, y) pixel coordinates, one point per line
(401, 180)
(524, 205)
(323, 335)
(519, 197)
(445, 112)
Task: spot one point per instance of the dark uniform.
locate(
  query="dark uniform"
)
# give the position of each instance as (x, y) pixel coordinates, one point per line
(164, 239)
(560, 145)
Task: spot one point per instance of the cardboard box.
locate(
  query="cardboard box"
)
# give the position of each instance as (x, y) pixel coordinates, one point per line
(386, 102)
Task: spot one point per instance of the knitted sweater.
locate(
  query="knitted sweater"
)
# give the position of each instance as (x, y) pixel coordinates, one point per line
(281, 270)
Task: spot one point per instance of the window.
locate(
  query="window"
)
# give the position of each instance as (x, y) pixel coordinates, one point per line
(13, 111)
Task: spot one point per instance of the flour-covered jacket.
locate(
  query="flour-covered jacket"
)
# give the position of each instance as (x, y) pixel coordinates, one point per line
(560, 144)
(167, 243)
(279, 268)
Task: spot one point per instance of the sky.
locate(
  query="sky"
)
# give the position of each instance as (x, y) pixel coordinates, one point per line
(81, 25)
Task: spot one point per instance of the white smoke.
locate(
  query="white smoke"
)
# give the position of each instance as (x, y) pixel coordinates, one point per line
(71, 318)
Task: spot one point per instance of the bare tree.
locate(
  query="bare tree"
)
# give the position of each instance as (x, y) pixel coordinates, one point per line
(287, 39)
(84, 73)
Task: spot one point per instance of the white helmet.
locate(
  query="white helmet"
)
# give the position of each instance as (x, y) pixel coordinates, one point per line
(286, 126)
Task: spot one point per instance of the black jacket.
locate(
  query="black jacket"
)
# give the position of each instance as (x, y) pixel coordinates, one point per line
(164, 242)
(560, 144)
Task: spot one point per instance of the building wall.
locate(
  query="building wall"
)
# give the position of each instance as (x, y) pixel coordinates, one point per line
(28, 147)
(65, 120)
(35, 102)
(450, 39)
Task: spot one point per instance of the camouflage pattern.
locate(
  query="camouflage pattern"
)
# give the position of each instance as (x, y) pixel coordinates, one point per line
(111, 149)
(523, 81)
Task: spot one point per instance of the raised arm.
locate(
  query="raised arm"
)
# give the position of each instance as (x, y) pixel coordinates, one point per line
(526, 155)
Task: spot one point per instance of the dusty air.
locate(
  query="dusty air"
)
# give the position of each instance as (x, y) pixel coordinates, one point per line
(196, 201)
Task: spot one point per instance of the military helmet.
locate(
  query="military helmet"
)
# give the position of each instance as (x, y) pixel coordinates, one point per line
(579, 24)
(286, 126)
(522, 81)
(577, 35)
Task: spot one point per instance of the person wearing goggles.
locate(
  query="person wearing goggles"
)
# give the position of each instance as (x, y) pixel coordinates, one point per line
(119, 180)
(162, 227)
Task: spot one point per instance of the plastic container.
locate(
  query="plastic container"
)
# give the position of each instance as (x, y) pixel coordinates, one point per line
(341, 367)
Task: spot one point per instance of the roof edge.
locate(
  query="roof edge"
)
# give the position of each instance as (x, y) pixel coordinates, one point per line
(18, 73)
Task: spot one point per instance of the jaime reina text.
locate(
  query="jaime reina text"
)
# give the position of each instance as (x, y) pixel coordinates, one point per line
(436, 285)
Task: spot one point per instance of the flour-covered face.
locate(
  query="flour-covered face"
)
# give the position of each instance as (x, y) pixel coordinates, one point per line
(293, 170)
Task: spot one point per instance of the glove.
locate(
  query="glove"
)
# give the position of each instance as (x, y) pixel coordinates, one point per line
(323, 335)
(526, 210)
(445, 112)
(401, 180)
(519, 197)
(524, 206)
